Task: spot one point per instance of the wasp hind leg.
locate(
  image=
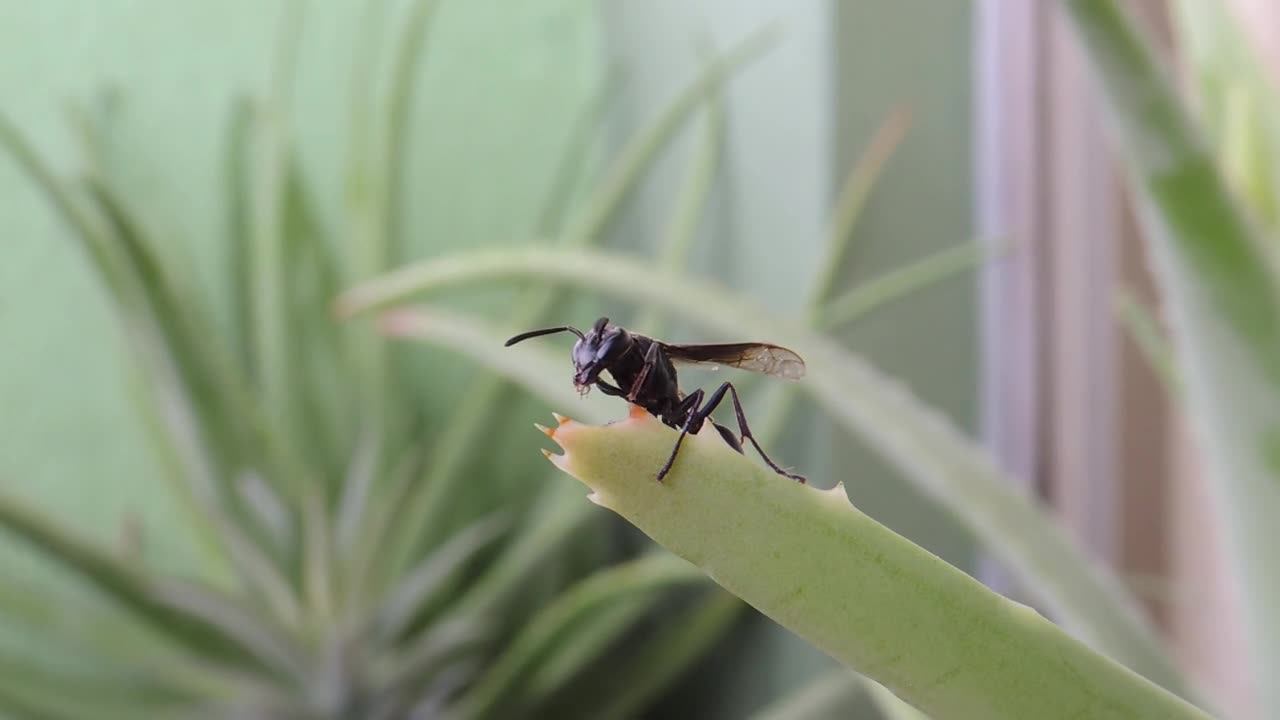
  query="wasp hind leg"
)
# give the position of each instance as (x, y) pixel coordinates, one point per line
(714, 401)
(699, 415)
(729, 437)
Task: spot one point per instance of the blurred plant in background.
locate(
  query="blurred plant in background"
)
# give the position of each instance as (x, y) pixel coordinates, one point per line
(1237, 102)
(1209, 171)
(349, 566)
(352, 568)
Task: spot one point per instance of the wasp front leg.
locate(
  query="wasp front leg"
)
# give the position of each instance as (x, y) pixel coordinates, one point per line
(650, 361)
(688, 407)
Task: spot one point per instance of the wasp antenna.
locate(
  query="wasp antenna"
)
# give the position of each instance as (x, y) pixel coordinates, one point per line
(539, 333)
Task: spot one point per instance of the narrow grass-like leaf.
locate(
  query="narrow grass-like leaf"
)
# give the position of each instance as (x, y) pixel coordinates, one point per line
(1221, 287)
(186, 337)
(1140, 323)
(369, 572)
(1237, 101)
(375, 193)
(539, 373)
(905, 282)
(122, 584)
(640, 151)
(407, 58)
(272, 332)
(870, 598)
(828, 696)
(921, 443)
(198, 505)
(239, 235)
(321, 372)
(261, 573)
(421, 588)
(536, 369)
(267, 510)
(318, 581)
(540, 639)
(691, 203)
(555, 519)
(228, 422)
(658, 660)
(851, 201)
(443, 644)
(583, 643)
(89, 229)
(427, 506)
(354, 511)
(101, 691)
(573, 163)
(365, 232)
(871, 296)
(20, 702)
(271, 647)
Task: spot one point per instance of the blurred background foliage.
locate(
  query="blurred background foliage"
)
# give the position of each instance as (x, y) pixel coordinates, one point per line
(236, 142)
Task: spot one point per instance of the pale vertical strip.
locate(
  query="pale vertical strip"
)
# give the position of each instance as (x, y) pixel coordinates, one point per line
(1007, 129)
(1084, 232)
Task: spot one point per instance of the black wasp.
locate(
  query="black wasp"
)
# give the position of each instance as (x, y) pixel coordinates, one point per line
(645, 367)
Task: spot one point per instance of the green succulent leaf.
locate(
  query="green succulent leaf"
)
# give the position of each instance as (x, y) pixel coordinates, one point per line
(865, 595)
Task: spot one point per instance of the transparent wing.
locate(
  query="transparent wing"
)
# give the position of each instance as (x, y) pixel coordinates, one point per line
(764, 358)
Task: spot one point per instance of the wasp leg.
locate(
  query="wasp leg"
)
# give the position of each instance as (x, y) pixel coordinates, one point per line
(689, 407)
(611, 390)
(650, 359)
(705, 412)
(730, 439)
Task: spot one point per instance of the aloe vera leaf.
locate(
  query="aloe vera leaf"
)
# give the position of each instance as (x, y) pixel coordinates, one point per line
(870, 598)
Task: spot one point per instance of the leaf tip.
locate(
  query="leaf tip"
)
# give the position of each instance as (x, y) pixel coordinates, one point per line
(342, 307)
(557, 460)
(397, 323)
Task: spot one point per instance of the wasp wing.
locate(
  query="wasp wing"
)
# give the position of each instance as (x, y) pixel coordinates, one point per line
(758, 357)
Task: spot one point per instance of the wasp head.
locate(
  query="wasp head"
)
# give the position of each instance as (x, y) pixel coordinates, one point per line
(596, 351)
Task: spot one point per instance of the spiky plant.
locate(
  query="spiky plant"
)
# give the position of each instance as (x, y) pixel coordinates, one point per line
(355, 568)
